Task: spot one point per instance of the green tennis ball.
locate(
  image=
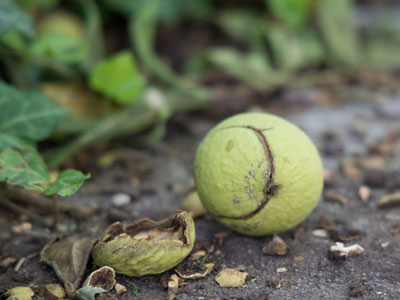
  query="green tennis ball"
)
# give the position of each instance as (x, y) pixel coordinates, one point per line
(258, 174)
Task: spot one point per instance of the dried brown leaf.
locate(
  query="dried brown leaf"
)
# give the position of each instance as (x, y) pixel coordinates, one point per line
(68, 258)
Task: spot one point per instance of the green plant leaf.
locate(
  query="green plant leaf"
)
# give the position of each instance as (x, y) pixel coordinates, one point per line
(12, 141)
(60, 47)
(142, 30)
(133, 287)
(336, 22)
(13, 18)
(67, 183)
(88, 292)
(23, 167)
(253, 68)
(171, 11)
(118, 78)
(291, 50)
(26, 116)
(293, 13)
(243, 26)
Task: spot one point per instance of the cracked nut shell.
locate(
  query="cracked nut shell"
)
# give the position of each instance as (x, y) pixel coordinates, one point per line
(258, 174)
(146, 247)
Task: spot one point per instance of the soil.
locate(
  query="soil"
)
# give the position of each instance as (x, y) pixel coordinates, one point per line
(359, 141)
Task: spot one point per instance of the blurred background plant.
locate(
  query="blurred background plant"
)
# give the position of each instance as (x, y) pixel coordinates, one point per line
(77, 73)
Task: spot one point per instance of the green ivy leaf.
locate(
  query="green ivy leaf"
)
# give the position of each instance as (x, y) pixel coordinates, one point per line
(25, 117)
(171, 11)
(12, 141)
(293, 13)
(13, 18)
(253, 68)
(336, 21)
(67, 183)
(59, 46)
(24, 167)
(88, 292)
(118, 78)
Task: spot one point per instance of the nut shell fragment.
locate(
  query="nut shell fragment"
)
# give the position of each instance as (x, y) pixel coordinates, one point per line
(231, 278)
(276, 247)
(340, 251)
(146, 247)
(102, 278)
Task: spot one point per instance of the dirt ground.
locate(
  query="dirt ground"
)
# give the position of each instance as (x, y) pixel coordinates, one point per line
(359, 141)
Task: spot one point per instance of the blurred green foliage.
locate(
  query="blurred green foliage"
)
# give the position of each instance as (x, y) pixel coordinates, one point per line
(118, 78)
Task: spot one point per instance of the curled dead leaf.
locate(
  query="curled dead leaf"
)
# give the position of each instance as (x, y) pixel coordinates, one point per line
(68, 257)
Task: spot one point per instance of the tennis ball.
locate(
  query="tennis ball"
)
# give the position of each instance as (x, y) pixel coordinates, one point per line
(258, 174)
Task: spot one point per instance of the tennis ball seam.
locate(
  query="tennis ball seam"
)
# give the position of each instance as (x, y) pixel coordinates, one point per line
(270, 188)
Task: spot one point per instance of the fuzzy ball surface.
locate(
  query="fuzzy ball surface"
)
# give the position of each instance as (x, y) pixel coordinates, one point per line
(258, 174)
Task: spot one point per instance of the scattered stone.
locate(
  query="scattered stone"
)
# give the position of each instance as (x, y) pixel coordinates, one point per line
(340, 252)
(276, 247)
(298, 258)
(356, 289)
(281, 270)
(173, 285)
(275, 283)
(120, 199)
(22, 228)
(385, 244)
(320, 233)
(120, 289)
(231, 278)
(328, 175)
(364, 193)
(350, 170)
(220, 238)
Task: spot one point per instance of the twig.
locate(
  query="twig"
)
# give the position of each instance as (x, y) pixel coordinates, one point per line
(56, 211)
(20, 210)
(23, 196)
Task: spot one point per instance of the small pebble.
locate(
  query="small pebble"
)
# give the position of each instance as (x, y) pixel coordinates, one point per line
(121, 199)
(281, 270)
(22, 228)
